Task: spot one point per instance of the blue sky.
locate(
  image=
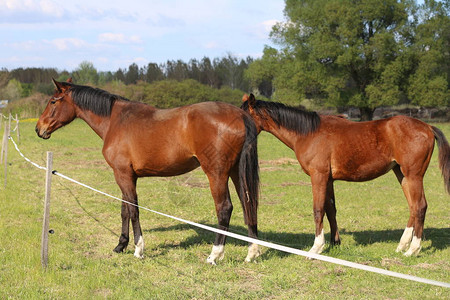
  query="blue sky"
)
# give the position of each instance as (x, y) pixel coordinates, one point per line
(113, 34)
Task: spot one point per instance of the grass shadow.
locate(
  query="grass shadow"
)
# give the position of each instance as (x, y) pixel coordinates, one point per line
(439, 237)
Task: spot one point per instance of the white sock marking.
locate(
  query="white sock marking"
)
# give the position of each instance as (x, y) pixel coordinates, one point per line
(216, 253)
(319, 243)
(253, 252)
(405, 240)
(415, 247)
(139, 250)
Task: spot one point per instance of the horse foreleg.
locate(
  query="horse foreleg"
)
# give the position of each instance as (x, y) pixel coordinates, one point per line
(127, 184)
(138, 239)
(224, 208)
(330, 211)
(319, 187)
(124, 237)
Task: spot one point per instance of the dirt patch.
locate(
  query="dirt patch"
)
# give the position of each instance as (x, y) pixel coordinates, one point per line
(299, 183)
(386, 262)
(280, 161)
(434, 266)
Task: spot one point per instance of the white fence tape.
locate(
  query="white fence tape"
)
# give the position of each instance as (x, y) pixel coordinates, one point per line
(256, 241)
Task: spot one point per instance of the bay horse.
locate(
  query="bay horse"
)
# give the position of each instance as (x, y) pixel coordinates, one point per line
(140, 141)
(331, 148)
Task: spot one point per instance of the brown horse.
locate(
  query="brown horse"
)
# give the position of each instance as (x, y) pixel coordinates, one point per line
(140, 140)
(331, 148)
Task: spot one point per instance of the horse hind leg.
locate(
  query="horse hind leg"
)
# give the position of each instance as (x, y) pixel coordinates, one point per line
(419, 209)
(414, 193)
(224, 208)
(330, 211)
(407, 235)
(253, 249)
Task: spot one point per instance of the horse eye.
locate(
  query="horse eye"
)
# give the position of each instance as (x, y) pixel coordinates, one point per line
(53, 101)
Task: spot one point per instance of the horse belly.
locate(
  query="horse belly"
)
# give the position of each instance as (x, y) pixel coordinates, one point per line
(353, 170)
(165, 167)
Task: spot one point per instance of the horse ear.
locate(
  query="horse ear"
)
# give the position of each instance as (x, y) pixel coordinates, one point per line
(251, 100)
(57, 85)
(244, 98)
(69, 80)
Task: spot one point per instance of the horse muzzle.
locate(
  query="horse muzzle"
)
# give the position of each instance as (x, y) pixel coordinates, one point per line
(42, 133)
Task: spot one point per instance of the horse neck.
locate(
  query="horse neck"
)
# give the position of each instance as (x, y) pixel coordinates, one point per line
(288, 137)
(100, 124)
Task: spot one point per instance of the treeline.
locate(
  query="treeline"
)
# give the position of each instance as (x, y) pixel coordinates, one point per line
(217, 73)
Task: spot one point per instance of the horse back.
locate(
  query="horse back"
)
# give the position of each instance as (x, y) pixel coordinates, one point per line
(359, 151)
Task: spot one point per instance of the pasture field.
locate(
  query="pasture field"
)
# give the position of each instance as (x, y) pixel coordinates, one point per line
(371, 218)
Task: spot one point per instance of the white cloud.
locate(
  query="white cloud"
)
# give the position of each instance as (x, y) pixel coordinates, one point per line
(119, 38)
(211, 45)
(63, 44)
(268, 24)
(29, 11)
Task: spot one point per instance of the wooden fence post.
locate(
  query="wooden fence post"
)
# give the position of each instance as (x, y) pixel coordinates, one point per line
(4, 156)
(3, 145)
(45, 222)
(17, 129)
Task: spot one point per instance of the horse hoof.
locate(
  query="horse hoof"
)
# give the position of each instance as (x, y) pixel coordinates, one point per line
(253, 253)
(336, 243)
(401, 248)
(120, 249)
(412, 252)
(415, 247)
(216, 253)
(211, 261)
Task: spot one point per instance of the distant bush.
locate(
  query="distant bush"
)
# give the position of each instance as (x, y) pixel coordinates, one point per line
(172, 93)
(28, 107)
(161, 94)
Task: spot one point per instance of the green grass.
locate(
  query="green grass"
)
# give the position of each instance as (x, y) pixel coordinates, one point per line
(371, 218)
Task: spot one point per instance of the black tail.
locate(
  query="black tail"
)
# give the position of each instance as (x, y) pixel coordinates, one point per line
(444, 155)
(249, 172)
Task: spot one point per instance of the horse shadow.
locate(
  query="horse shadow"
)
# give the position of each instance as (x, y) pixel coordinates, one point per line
(439, 238)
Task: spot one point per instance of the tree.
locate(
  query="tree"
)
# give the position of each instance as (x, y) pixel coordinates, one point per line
(209, 75)
(12, 91)
(177, 70)
(429, 84)
(85, 73)
(261, 73)
(132, 75)
(342, 52)
(153, 73)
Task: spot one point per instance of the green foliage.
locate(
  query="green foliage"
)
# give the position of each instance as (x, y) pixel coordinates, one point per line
(173, 93)
(85, 73)
(429, 84)
(12, 91)
(359, 53)
(28, 107)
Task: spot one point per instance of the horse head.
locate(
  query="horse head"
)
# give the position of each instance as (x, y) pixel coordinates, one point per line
(59, 111)
(249, 105)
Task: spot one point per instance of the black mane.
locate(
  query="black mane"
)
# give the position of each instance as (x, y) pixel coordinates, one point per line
(292, 118)
(98, 101)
